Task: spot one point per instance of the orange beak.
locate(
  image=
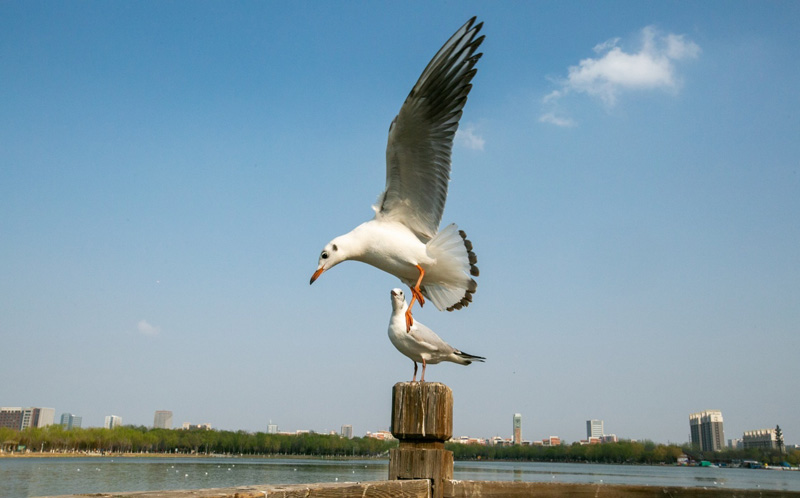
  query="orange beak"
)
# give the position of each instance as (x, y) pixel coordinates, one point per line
(316, 275)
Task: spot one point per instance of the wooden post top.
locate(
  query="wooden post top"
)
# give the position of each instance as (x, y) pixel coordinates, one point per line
(422, 411)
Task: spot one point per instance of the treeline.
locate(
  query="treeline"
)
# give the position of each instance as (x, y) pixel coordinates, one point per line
(621, 452)
(130, 439)
(644, 452)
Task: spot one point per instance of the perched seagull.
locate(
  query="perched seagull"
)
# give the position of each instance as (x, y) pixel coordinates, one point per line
(421, 344)
(404, 238)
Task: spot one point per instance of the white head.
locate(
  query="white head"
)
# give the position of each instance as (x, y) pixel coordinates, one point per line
(330, 256)
(398, 301)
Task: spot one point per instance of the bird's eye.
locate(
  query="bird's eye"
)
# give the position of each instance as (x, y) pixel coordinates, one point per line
(324, 255)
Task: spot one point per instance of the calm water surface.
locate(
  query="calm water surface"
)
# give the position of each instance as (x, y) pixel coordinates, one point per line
(27, 477)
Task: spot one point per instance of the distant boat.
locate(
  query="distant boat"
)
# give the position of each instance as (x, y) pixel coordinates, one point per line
(783, 466)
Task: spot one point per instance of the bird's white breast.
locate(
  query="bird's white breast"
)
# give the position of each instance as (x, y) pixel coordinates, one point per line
(403, 341)
(391, 247)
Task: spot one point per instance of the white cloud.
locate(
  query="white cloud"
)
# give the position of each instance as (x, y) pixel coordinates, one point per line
(614, 71)
(606, 45)
(147, 329)
(466, 137)
(551, 118)
(552, 96)
(678, 48)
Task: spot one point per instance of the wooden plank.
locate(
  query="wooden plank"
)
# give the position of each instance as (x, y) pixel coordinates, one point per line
(369, 489)
(497, 489)
(376, 489)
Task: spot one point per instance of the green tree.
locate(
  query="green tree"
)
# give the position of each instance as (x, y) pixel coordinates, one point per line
(779, 438)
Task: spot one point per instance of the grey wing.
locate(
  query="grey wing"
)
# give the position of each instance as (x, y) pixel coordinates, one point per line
(430, 340)
(421, 136)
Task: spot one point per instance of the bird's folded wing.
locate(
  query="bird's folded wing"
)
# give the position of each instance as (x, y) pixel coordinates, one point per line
(428, 339)
(421, 136)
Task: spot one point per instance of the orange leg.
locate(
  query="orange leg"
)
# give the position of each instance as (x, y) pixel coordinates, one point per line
(414, 379)
(424, 364)
(416, 294)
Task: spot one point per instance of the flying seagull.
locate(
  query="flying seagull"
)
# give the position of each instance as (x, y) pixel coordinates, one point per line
(404, 237)
(421, 344)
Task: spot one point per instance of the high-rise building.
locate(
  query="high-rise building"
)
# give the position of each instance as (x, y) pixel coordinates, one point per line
(762, 438)
(21, 418)
(188, 426)
(594, 428)
(552, 441)
(347, 431)
(706, 430)
(11, 417)
(162, 419)
(736, 444)
(69, 420)
(37, 417)
(517, 428)
(112, 421)
(272, 428)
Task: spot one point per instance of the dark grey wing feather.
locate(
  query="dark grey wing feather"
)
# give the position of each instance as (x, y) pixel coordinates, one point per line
(421, 136)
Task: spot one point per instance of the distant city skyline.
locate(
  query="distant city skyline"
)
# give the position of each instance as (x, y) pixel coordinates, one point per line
(704, 426)
(706, 429)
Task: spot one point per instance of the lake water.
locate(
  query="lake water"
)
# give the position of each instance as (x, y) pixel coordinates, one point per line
(27, 477)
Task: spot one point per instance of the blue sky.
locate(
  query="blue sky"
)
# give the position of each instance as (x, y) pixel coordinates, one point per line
(627, 171)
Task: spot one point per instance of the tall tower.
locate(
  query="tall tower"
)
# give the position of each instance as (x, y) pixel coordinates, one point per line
(112, 421)
(69, 421)
(706, 430)
(517, 428)
(162, 419)
(594, 428)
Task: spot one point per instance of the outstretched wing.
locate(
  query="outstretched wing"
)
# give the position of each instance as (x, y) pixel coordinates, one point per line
(421, 136)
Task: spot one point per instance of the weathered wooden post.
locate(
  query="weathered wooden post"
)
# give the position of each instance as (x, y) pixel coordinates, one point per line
(422, 419)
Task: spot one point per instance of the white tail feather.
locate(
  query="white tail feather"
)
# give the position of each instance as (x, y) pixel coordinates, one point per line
(453, 261)
(443, 296)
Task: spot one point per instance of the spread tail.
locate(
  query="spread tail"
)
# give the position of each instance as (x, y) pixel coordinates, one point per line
(451, 245)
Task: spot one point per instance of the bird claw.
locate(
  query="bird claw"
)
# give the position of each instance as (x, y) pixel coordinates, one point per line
(419, 296)
(409, 321)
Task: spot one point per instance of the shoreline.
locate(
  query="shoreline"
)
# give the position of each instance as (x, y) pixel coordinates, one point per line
(75, 454)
